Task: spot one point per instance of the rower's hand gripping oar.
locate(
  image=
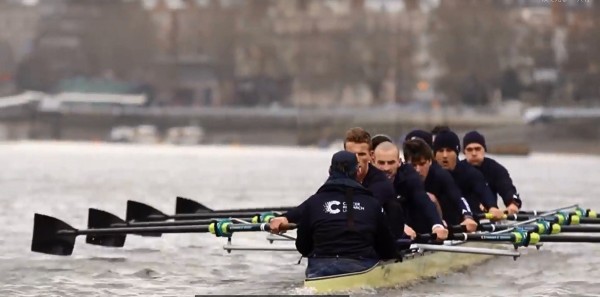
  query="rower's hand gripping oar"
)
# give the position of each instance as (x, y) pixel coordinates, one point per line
(226, 228)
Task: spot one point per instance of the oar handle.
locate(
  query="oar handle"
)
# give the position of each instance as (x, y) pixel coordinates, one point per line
(226, 228)
(425, 237)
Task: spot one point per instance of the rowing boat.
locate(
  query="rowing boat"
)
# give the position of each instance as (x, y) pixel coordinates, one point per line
(413, 268)
(424, 261)
(421, 262)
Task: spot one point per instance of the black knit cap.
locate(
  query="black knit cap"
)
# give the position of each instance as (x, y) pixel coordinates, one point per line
(446, 139)
(343, 164)
(474, 137)
(422, 134)
(378, 139)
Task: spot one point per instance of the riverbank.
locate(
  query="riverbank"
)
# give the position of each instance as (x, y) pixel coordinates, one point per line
(239, 126)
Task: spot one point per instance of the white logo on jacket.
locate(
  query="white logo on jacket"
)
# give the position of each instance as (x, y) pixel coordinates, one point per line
(331, 207)
(328, 207)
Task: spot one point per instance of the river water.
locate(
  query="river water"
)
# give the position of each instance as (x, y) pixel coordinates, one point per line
(65, 179)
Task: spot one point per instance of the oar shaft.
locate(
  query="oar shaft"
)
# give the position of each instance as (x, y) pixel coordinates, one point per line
(170, 223)
(580, 212)
(471, 237)
(589, 221)
(170, 229)
(570, 238)
(536, 228)
(533, 219)
(582, 229)
(141, 230)
(260, 209)
(484, 237)
(551, 219)
(198, 216)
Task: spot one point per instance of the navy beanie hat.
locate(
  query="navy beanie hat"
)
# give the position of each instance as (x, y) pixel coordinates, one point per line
(426, 136)
(447, 139)
(343, 164)
(474, 137)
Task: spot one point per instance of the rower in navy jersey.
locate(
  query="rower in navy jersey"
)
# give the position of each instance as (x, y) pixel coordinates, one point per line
(470, 181)
(495, 174)
(358, 141)
(343, 229)
(439, 183)
(410, 192)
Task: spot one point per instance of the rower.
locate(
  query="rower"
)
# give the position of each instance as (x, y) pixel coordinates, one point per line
(439, 184)
(422, 134)
(343, 229)
(470, 181)
(358, 141)
(378, 139)
(495, 174)
(436, 130)
(410, 191)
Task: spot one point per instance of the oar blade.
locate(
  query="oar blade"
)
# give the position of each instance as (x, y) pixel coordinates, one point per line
(46, 238)
(101, 219)
(185, 205)
(141, 212)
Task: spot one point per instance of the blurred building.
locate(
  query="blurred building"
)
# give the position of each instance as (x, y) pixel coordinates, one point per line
(18, 24)
(307, 53)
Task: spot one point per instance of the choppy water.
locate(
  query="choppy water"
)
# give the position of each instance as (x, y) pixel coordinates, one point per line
(65, 179)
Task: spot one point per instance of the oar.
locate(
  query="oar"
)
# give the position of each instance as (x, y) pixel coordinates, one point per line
(559, 218)
(187, 206)
(55, 237)
(140, 212)
(588, 213)
(454, 249)
(517, 238)
(102, 219)
(553, 216)
(562, 218)
(418, 246)
(570, 238)
(544, 228)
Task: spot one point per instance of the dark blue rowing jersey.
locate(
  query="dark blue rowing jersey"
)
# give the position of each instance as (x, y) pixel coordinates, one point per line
(440, 183)
(420, 211)
(344, 220)
(499, 181)
(375, 181)
(473, 186)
